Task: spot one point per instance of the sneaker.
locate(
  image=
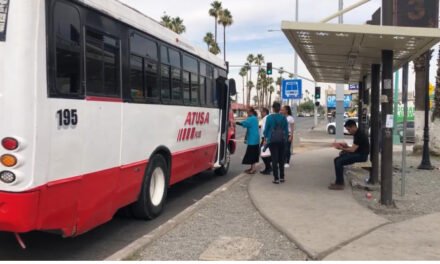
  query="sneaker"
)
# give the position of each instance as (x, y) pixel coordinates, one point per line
(336, 187)
(282, 180)
(286, 165)
(276, 181)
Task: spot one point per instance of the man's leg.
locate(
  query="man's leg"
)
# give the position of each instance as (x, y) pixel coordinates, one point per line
(282, 158)
(343, 160)
(275, 157)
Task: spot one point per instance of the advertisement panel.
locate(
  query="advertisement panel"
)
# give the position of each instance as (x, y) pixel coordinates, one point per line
(416, 13)
(331, 101)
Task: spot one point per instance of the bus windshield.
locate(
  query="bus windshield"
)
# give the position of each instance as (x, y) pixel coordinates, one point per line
(3, 18)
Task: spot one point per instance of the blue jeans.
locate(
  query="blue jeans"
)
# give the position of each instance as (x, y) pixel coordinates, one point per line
(346, 159)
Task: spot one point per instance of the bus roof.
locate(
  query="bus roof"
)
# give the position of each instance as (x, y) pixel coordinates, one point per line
(136, 19)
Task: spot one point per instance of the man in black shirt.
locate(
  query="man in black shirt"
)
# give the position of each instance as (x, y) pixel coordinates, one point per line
(358, 152)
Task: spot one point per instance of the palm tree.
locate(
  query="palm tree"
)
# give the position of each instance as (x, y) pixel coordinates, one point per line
(243, 73)
(173, 23)
(166, 21)
(271, 90)
(216, 8)
(250, 85)
(225, 20)
(214, 48)
(209, 39)
(259, 60)
(177, 25)
(250, 59)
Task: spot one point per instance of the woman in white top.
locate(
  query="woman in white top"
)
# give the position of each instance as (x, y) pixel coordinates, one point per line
(287, 111)
(267, 160)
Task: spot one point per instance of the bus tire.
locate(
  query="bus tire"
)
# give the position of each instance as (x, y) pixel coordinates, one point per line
(154, 190)
(223, 170)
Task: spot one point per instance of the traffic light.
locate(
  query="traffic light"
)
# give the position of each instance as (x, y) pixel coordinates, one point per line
(269, 68)
(317, 93)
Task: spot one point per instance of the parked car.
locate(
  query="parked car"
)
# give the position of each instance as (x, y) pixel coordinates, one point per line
(410, 132)
(331, 127)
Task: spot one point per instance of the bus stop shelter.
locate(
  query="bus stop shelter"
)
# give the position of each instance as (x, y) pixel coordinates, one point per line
(340, 53)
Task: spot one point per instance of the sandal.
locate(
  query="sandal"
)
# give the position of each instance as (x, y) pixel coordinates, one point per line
(251, 172)
(247, 171)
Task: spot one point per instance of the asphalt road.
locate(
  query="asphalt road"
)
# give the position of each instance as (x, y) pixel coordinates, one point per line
(107, 239)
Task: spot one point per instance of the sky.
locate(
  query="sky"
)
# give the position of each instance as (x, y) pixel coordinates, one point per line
(250, 34)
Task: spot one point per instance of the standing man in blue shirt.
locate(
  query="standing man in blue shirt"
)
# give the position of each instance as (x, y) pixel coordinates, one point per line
(275, 134)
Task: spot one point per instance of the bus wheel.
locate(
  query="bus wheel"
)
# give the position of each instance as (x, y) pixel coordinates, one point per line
(154, 190)
(223, 170)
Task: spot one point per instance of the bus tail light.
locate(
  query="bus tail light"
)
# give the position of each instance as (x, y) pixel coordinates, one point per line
(7, 177)
(10, 143)
(8, 160)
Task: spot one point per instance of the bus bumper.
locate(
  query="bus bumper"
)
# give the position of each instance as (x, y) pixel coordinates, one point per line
(18, 211)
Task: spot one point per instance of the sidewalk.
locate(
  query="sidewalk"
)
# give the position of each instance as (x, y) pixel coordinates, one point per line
(317, 219)
(297, 220)
(331, 224)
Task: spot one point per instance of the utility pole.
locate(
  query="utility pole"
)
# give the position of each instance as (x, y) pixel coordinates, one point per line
(386, 172)
(295, 62)
(340, 108)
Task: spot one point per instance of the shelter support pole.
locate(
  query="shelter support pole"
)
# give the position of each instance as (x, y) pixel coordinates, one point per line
(386, 187)
(405, 122)
(375, 123)
(361, 106)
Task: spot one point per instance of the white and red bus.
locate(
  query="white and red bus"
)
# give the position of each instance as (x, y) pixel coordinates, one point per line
(101, 108)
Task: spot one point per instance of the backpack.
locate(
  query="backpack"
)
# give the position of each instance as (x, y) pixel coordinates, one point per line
(278, 135)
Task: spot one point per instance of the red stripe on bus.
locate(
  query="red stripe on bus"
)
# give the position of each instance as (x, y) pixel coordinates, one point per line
(103, 99)
(76, 205)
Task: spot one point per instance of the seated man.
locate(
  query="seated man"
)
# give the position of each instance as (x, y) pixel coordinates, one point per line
(358, 152)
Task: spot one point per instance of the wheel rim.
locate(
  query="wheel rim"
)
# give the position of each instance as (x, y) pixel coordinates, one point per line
(228, 159)
(157, 186)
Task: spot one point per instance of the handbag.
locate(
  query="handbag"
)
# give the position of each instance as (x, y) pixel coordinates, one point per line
(265, 152)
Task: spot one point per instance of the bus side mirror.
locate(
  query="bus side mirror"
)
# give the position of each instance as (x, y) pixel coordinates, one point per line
(232, 88)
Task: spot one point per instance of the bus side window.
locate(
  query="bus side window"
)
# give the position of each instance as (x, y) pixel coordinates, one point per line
(176, 86)
(202, 84)
(66, 30)
(144, 75)
(102, 65)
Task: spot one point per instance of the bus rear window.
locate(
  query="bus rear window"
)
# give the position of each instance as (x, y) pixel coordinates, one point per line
(4, 4)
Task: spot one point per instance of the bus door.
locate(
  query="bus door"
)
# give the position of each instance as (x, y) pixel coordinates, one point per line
(225, 91)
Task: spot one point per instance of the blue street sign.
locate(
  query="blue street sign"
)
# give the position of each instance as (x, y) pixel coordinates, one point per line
(353, 86)
(291, 89)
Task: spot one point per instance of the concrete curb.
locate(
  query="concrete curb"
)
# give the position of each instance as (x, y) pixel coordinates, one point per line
(144, 241)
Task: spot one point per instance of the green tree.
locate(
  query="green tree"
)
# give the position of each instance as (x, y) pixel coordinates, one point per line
(250, 85)
(226, 20)
(216, 8)
(259, 60)
(177, 25)
(173, 23)
(214, 49)
(209, 39)
(271, 90)
(250, 59)
(243, 74)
